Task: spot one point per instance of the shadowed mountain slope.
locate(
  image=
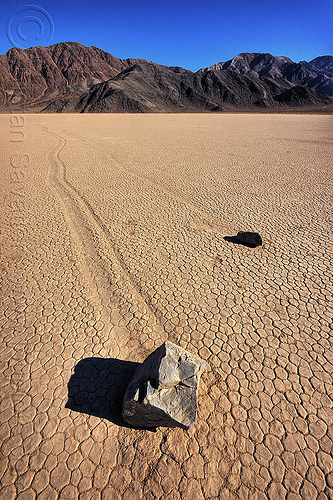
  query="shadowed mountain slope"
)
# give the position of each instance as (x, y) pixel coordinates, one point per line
(37, 74)
(147, 87)
(73, 78)
(316, 75)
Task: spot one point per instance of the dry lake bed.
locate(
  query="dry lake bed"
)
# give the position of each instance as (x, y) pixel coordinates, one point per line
(112, 241)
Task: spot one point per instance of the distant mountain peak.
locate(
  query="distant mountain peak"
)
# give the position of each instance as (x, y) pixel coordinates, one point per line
(69, 76)
(317, 74)
(324, 64)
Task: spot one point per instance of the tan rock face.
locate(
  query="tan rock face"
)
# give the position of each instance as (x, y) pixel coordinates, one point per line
(164, 389)
(39, 74)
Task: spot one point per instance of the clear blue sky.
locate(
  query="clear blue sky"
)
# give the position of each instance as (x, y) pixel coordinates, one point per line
(192, 34)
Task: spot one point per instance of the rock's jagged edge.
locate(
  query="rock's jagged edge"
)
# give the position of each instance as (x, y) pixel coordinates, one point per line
(164, 389)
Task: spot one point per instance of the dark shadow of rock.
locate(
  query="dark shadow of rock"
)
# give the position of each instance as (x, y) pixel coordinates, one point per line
(98, 385)
(234, 239)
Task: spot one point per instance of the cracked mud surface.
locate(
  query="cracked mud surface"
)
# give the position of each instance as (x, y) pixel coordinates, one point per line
(112, 241)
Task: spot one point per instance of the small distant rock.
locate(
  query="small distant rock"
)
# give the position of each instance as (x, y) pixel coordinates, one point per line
(253, 239)
(164, 389)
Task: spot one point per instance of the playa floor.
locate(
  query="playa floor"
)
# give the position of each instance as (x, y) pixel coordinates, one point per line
(112, 241)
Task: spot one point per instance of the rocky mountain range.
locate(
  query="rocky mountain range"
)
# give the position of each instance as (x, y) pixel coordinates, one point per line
(316, 74)
(69, 77)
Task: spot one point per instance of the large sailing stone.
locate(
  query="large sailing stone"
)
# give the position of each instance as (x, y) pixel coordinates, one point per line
(251, 239)
(164, 389)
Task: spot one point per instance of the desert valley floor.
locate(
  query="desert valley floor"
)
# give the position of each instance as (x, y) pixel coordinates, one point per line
(112, 241)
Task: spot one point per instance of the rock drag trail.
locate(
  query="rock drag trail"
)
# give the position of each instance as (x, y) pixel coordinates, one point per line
(112, 241)
(99, 263)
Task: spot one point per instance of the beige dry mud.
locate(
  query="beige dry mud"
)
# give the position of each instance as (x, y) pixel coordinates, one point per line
(112, 241)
